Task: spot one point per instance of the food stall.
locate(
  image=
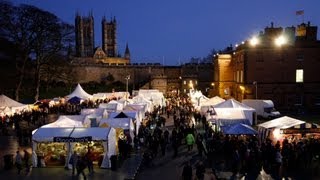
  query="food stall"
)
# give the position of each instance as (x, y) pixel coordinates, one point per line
(55, 145)
(289, 128)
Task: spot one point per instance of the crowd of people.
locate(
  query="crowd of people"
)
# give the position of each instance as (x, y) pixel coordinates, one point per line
(242, 155)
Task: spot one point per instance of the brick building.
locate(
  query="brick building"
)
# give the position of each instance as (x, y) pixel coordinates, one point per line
(280, 64)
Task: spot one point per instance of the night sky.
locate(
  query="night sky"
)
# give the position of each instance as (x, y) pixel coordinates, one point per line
(167, 31)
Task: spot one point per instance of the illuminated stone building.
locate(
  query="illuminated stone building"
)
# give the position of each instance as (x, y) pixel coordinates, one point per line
(87, 53)
(280, 64)
(93, 64)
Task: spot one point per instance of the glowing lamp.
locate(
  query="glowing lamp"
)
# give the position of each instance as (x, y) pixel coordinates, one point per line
(281, 40)
(276, 134)
(254, 41)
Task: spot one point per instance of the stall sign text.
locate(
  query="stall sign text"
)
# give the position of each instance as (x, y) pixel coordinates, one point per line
(72, 139)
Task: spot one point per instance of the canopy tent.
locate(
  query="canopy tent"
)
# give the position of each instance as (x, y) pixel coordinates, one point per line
(153, 95)
(230, 116)
(8, 102)
(281, 123)
(67, 121)
(208, 105)
(112, 106)
(93, 116)
(124, 100)
(143, 101)
(79, 92)
(239, 129)
(9, 106)
(107, 135)
(124, 123)
(277, 125)
(197, 98)
(140, 107)
(97, 111)
(75, 100)
(233, 104)
(47, 134)
(133, 115)
(100, 96)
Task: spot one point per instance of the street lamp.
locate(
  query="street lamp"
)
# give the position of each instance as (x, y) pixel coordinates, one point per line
(281, 40)
(127, 80)
(256, 86)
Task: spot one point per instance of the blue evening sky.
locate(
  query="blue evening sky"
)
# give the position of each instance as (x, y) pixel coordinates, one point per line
(167, 31)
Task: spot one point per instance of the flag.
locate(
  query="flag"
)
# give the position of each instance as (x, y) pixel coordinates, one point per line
(301, 12)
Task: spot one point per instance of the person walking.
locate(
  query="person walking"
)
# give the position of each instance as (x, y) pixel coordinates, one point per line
(26, 160)
(73, 161)
(89, 161)
(18, 162)
(81, 165)
(190, 141)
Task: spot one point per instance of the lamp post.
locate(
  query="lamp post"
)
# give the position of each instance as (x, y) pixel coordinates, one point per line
(256, 86)
(127, 80)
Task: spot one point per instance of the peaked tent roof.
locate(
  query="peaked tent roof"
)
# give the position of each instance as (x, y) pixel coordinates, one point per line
(282, 123)
(74, 100)
(79, 92)
(238, 129)
(213, 101)
(8, 102)
(121, 115)
(232, 103)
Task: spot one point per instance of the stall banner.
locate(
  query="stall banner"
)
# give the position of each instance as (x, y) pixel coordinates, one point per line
(72, 139)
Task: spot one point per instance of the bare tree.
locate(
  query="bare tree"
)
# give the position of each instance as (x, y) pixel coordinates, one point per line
(15, 26)
(37, 33)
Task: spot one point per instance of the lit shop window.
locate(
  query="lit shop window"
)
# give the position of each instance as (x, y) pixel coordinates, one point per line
(299, 75)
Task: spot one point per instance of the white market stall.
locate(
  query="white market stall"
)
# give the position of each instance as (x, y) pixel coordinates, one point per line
(229, 104)
(56, 145)
(274, 128)
(66, 121)
(79, 92)
(209, 104)
(112, 106)
(93, 116)
(134, 116)
(9, 106)
(230, 116)
(123, 123)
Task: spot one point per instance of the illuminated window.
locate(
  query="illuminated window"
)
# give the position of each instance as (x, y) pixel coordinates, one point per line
(196, 82)
(184, 90)
(238, 76)
(184, 82)
(241, 76)
(299, 75)
(190, 81)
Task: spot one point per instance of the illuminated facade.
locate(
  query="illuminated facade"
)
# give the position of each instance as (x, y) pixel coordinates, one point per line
(278, 64)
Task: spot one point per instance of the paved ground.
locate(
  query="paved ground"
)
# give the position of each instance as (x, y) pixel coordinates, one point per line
(163, 167)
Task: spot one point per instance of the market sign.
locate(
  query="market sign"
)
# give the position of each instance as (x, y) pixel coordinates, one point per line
(72, 139)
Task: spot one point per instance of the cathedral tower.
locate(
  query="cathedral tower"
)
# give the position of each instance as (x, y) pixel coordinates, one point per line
(127, 53)
(84, 29)
(109, 43)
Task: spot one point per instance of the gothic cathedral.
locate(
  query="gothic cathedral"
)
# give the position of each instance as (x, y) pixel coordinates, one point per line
(86, 52)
